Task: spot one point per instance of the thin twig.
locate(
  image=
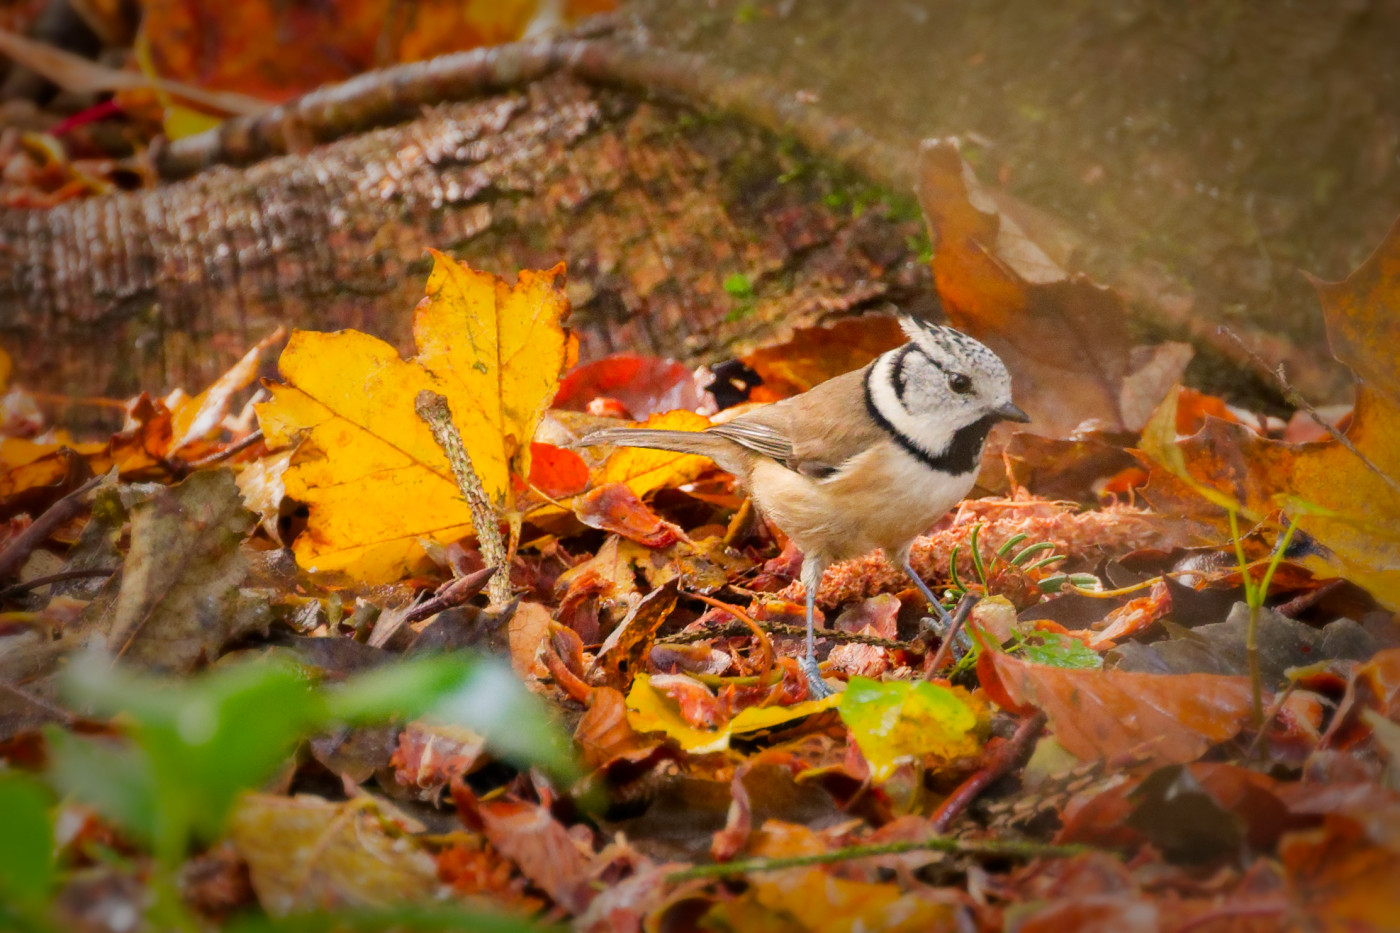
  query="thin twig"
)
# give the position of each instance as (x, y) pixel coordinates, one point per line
(960, 614)
(434, 410)
(231, 450)
(765, 644)
(1295, 398)
(1274, 709)
(27, 540)
(988, 848)
(1004, 759)
(60, 577)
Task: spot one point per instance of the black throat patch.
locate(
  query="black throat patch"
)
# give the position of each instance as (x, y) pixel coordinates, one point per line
(964, 451)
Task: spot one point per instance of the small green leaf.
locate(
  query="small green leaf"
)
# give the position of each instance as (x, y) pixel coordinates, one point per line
(896, 720)
(1055, 650)
(977, 554)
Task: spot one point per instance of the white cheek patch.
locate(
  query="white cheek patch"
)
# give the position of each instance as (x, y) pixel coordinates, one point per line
(930, 431)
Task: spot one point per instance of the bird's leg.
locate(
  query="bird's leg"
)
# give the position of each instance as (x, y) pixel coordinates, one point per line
(812, 569)
(943, 618)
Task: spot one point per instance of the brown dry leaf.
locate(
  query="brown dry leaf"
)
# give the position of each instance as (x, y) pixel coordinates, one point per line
(368, 467)
(526, 631)
(624, 651)
(305, 853)
(1347, 507)
(180, 601)
(814, 898)
(224, 45)
(1095, 714)
(540, 846)
(614, 507)
(1064, 338)
(1341, 880)
(603, 733)
(815, 354)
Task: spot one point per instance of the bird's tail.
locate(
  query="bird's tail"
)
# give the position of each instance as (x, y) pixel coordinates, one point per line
(702, 443)
(685, 442)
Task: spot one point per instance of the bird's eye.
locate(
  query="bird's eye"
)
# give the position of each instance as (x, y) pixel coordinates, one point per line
(960, 383)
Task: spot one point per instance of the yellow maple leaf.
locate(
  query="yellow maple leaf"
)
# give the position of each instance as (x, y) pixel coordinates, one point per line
(375, 481)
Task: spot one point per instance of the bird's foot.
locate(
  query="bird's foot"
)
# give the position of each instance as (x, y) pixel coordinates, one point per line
(816, 687)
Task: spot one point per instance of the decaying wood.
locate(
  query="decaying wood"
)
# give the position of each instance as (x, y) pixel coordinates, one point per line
(685, 234)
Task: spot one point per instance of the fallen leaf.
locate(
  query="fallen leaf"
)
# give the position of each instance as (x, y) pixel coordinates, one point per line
(816, 354)
(179, 601)
(306, 853)
(1098, 714)
(538, 844)
(814, 898)
(614, 507)
(557, 472)
(198, 416)
(525, 632)
(644, 385)
(897, 721)
(368, 468)
(625, 650)
(651, 711)
(1064, 338)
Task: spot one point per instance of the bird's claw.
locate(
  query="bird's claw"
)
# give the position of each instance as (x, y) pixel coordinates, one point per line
(816, 687)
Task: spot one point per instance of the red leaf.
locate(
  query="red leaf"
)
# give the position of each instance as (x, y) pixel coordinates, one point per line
(557, 472)
(644, 385)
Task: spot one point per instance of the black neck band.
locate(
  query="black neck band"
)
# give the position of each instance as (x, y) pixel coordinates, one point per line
(964, 451)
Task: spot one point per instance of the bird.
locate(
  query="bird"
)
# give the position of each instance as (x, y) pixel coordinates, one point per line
(865, 460)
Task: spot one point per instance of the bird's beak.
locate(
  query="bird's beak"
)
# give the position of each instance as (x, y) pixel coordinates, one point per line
(1009, 412)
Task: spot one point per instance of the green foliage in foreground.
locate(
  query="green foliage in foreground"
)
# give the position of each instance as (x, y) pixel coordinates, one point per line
(190, 747)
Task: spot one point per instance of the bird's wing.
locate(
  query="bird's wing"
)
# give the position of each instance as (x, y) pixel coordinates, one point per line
(756, 435)
(813, 433)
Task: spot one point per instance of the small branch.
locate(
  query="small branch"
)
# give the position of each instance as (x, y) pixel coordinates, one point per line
(1003, 760)
(232, 450)
(433, 409)
(960, 614)
(27, 540)
(60, 577)
(989, 849)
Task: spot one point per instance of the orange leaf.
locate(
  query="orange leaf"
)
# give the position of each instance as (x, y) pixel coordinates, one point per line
(815, 354)
(1064, 338)
(1104, 714)
(616, 508)
(1348, 505)
(644, 385)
